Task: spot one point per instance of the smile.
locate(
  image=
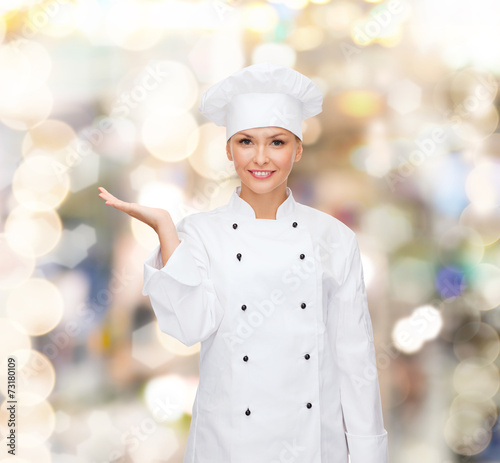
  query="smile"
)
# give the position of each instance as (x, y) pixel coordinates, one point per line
(262, 173)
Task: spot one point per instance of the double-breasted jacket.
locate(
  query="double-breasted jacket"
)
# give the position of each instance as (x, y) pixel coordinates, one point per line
(287, 361)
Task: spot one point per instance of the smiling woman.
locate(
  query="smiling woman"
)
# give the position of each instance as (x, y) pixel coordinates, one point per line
(274, 292)
(263, 159)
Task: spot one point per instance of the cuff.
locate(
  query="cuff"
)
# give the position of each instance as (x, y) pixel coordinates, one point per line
(368, 449)
(181, 266)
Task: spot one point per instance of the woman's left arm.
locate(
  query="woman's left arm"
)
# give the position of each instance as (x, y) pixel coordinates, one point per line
(359, 385)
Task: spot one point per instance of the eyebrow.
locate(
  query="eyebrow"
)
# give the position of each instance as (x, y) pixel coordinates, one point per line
(272, 136)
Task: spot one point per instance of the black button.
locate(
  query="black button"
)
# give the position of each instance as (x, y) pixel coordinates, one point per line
(243, 307)
(235, 226)
(294, 224)
(309, 404)
(238, 256)
(302, 256)
(245, 358)
(247, 412)
(307, 356)
(303, 305)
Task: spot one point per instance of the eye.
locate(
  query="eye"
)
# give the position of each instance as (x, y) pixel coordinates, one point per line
(244, 139)
(281, 142)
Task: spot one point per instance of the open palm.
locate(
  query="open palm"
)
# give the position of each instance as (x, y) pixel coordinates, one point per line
(152, 216)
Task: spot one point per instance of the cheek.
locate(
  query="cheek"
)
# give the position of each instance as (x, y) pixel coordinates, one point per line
(286, 160)
(240, 158)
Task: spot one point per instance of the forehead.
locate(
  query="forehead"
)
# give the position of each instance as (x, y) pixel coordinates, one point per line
(263, 132)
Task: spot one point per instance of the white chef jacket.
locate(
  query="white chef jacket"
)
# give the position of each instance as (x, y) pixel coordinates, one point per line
(287, 361)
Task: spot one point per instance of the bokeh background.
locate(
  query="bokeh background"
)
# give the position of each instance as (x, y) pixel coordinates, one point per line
(406, 153)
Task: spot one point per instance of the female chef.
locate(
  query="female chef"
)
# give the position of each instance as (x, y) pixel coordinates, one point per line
(274, 291)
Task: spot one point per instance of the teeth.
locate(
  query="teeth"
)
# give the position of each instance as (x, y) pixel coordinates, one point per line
(263, 174)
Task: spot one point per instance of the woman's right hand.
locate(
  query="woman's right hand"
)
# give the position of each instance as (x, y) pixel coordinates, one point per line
(152, 216)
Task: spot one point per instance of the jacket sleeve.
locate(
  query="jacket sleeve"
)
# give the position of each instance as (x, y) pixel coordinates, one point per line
(182, 293)
(359, 386)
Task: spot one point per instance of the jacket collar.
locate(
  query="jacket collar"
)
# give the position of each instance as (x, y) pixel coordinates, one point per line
(240, 206)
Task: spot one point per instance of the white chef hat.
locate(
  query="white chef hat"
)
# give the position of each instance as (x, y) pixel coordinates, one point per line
(262, 95)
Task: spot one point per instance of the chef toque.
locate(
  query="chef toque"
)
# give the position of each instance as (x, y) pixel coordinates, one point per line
(262, 95)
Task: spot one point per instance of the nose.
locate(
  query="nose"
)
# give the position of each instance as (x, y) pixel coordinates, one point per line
(261, 157)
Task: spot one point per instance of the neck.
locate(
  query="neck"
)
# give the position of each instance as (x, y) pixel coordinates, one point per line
(265, 205)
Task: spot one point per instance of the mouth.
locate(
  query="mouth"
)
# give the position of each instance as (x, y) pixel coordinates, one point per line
(262, 173)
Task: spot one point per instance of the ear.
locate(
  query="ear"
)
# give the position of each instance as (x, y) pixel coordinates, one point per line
(228, 150)
(298, 153)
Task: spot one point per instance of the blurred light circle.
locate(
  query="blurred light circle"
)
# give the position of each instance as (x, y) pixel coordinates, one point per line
(390, 224)
(484, 280)
(478, 125)
(450, 282)
(460, 246)
(175, 346)
(456, 314)
(37, 422)
(482, 186)
(170, 135)
(209, 159)
(33, 233)
(404, 336)
(340, 15)
(260, 17)
(13, 337)
(365, 31)
(359, 103)
(475, 374)
(37, 185)
(37, 57)
(49, 136)
(166, 397)
(36, 305)
(424, 324)
(164, 196)
(476, 339)
(90, 19)
(298, 4)
(485, 406)
(22, 60)
(160, 84)
(392, 39)
(472, 89)
(307, 38)
(54, 19)
(427, 321)
(412, 279)
(484, 220)
(465, 432)
(128, 25)
(15, 268)
(15, 71)
(35, 380)
(27, 109)
(142, 175)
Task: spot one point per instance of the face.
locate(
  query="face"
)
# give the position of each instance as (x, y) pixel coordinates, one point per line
(270, 150)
